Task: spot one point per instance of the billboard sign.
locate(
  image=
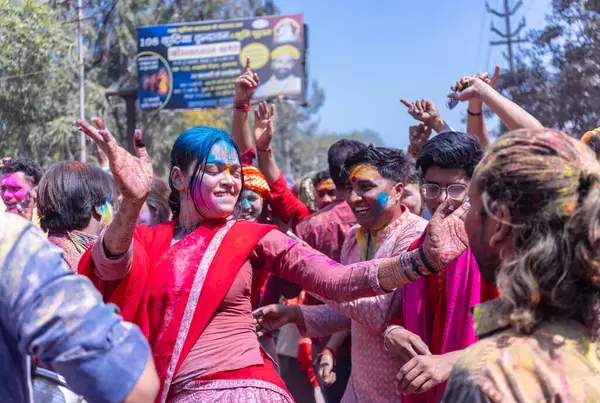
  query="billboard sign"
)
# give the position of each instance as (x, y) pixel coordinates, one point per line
(194, 65)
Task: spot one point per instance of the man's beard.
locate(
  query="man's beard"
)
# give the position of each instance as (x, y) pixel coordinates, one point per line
(488, 266)
(281, 74)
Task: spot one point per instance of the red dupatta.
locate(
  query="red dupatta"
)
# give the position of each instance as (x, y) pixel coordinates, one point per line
(165, 287)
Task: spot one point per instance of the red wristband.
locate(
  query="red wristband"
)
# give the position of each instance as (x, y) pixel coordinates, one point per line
(243, 107)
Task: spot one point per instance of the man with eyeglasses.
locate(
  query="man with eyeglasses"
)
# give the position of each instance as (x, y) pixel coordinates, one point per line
(436, 309)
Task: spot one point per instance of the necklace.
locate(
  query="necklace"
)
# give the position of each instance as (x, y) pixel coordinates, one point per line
(184, 230)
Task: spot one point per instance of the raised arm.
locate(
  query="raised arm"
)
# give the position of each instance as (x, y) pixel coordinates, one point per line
(476, 122)
(425, 111)
(513, 116)
(283, 202)
(314, 272)
(264, 126)
(245, 86)
(133, 177)
(475, 119)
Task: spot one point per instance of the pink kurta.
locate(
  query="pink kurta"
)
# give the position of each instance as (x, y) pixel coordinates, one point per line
(373, 369)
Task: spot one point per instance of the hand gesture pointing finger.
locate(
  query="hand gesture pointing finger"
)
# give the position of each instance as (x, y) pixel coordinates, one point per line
(422, 110)
(246, 84)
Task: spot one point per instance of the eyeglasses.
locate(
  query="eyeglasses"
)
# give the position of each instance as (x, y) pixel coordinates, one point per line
(455, 191)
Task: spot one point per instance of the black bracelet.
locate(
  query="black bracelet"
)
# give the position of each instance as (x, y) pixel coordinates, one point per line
(474, 114)
(425, 260)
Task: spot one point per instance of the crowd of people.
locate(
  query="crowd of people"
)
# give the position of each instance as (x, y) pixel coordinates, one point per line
(458, 270)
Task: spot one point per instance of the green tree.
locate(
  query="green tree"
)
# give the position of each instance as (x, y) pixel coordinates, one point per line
(558, 77)
(38, 79)
(310, 153)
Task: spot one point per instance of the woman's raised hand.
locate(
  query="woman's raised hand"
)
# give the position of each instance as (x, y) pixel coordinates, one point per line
(133, 175)
(264, 125)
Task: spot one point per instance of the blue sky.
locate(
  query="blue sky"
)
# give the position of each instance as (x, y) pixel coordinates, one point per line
(369, 54)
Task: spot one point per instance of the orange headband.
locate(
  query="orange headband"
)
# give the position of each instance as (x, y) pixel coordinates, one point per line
(254, 180)
(588, 135)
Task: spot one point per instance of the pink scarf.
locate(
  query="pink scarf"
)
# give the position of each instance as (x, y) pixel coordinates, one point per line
(73, 244)
(463, 291)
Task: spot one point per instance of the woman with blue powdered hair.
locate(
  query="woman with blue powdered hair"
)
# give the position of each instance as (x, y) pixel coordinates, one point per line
(189, 283)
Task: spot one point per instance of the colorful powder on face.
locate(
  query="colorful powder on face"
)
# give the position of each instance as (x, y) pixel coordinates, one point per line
(222, 153)
(325, 185)
(382, 201)
(15, 190)
(362, 171)
(106, 213)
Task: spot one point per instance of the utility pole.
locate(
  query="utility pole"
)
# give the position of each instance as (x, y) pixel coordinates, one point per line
(81, 78)
(510, 37)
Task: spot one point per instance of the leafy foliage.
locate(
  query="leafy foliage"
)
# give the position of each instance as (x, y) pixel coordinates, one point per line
(38, 78)
(558, 77)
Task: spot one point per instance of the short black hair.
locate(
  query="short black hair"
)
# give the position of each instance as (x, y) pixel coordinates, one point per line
(320, 176)
(391, 163)
(451, 150)
(68, 193)
(413, 175)
(32, 170)
(337, 155)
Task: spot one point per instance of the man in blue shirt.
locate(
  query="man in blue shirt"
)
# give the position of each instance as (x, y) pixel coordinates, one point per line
(49, 312)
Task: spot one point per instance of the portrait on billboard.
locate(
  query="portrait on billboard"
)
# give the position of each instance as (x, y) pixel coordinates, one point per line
(283, 80)
(194, 65)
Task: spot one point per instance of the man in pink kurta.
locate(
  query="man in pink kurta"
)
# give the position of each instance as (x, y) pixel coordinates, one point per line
(385, 228)
(373, 369)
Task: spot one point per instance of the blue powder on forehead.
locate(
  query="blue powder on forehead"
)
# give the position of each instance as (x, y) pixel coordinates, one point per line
(217, 156)
(196, 143)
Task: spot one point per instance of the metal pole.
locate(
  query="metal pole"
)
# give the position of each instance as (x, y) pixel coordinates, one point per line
(509, 39)
(81, 78)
